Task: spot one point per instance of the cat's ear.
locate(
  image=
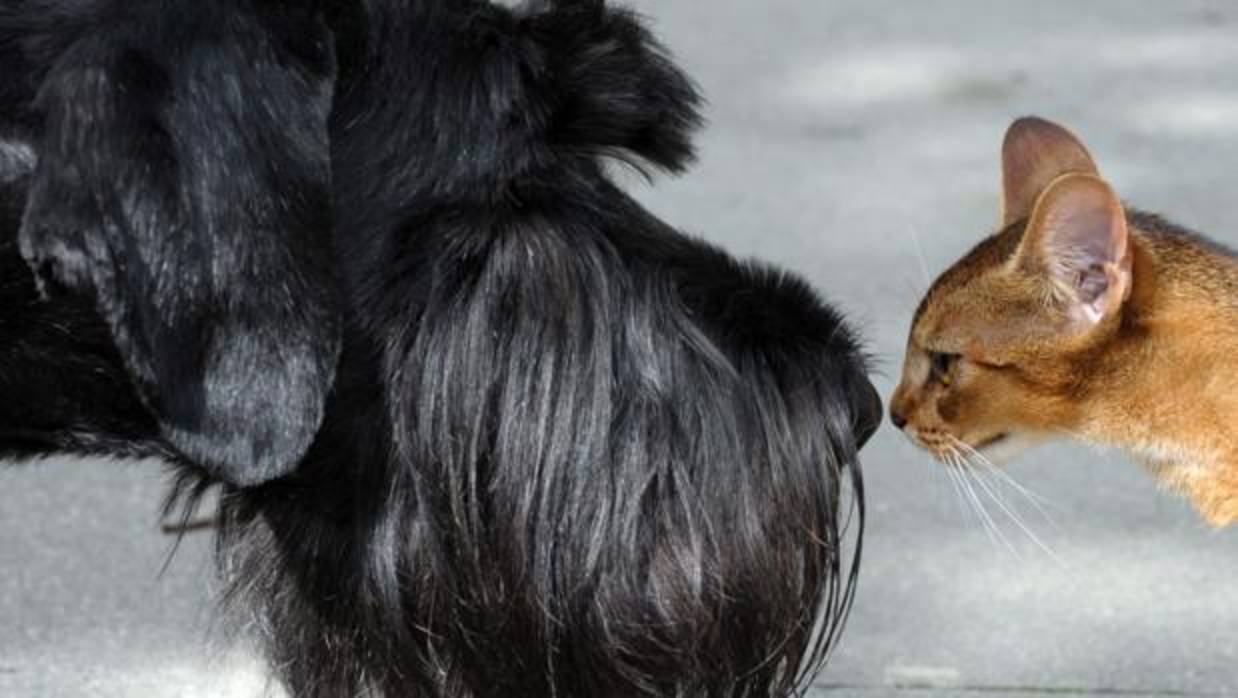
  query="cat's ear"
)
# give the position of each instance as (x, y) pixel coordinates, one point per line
(1034, 153)
(1077, 241)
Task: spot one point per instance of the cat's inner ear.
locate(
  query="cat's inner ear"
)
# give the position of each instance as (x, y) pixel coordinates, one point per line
(1034, 153)
(1077, 240)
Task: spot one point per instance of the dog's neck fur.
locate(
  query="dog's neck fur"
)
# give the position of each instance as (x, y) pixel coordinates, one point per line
(1176, 405)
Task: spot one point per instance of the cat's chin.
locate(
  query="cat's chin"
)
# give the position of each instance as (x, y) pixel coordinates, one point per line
(1005, 447)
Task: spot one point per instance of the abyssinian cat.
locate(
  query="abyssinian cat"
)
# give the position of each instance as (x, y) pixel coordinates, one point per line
(1081, 318)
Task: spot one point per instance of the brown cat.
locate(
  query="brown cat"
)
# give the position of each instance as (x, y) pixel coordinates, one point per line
(1082, 319)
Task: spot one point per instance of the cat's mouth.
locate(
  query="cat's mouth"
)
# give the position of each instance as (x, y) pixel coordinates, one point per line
(947, 448)
(992, 441)
(1004, 446)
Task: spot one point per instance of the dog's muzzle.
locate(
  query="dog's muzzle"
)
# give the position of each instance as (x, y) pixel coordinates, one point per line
(869, 415)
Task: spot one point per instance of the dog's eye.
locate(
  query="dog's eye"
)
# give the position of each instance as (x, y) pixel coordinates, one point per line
(941, 366)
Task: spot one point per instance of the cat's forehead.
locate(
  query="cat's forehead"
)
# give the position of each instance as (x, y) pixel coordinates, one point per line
(962, 287)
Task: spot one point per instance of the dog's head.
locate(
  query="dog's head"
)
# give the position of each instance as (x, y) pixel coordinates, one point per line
(619, 458)
(569, 451)
(485, 99)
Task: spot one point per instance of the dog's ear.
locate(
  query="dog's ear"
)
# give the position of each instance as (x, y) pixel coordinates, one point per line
(613, 88)
(183, 179)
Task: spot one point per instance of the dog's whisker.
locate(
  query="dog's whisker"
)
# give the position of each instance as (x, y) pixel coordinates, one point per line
(204, 523)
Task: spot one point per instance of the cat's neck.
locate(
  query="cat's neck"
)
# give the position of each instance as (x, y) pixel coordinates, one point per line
(1167, 390)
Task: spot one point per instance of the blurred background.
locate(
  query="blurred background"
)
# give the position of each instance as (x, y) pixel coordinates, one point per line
(855, 143)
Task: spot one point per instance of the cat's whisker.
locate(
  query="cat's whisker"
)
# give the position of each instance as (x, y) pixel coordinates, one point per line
(912, 292)
(1018, 520)
(960, 464)
(995, 494)
(924, 270)
(952, 478)
(967, 507)
(1037, 501)
(980, 463)
(1041, 504)
(968, 476)
(963, 465)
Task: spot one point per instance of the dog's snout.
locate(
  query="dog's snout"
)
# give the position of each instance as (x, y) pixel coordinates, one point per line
(897, 418)
(870, 415)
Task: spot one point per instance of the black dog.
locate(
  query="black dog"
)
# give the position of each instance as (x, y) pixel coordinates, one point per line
(565, 450)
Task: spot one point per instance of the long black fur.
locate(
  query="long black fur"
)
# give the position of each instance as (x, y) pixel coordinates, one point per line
(210, 266)
(569, 451)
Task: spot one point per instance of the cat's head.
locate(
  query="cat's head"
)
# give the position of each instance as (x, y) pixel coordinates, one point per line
(1001, 343)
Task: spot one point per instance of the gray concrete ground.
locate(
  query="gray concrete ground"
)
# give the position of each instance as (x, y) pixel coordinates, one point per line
(854, 142)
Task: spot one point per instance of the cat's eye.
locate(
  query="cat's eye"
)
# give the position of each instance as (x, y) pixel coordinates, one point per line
(991, 364)
(941, 365)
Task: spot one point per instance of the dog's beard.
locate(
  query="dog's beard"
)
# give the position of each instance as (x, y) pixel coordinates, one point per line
(609, 499)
